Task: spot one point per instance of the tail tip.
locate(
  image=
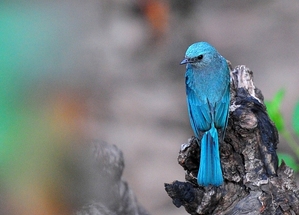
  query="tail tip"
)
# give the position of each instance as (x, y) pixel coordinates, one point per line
(206, 182)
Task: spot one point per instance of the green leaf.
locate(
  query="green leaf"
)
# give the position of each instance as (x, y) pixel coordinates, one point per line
(295, 119)
(289, 160)
(273, 108)
(277, 100)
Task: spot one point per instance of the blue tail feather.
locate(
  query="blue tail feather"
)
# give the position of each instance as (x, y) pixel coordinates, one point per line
(210, 172)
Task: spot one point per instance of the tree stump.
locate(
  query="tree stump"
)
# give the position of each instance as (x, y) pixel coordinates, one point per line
(253, 182)
(106, 193)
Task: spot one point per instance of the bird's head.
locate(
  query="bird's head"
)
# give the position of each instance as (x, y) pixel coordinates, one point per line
(199, 54)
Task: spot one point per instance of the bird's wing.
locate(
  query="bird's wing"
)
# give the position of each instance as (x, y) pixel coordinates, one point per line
(222, 110)
(199, 112)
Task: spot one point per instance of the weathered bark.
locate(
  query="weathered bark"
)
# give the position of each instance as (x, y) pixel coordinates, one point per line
(254, 184)
(110, 194)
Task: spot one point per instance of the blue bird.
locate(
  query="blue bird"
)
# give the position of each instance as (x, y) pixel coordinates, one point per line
(207, 81)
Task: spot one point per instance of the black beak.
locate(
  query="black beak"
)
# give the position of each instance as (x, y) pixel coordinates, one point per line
(185, 61)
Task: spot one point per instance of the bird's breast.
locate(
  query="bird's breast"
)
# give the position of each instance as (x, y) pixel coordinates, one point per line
(207, 83)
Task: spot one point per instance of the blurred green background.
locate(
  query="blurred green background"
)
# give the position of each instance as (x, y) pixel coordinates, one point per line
(72, 71)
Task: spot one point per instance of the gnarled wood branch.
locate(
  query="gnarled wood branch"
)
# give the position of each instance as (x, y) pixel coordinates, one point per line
(254, 184)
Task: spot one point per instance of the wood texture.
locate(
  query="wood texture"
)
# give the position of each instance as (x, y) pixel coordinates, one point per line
(254, 184)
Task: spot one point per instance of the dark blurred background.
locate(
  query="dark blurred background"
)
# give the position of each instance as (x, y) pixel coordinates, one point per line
(72, 71)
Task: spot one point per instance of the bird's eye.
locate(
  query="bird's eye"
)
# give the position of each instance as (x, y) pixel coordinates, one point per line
(200, 57)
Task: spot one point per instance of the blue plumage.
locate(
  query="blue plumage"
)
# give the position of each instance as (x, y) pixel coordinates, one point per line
(207, 81)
